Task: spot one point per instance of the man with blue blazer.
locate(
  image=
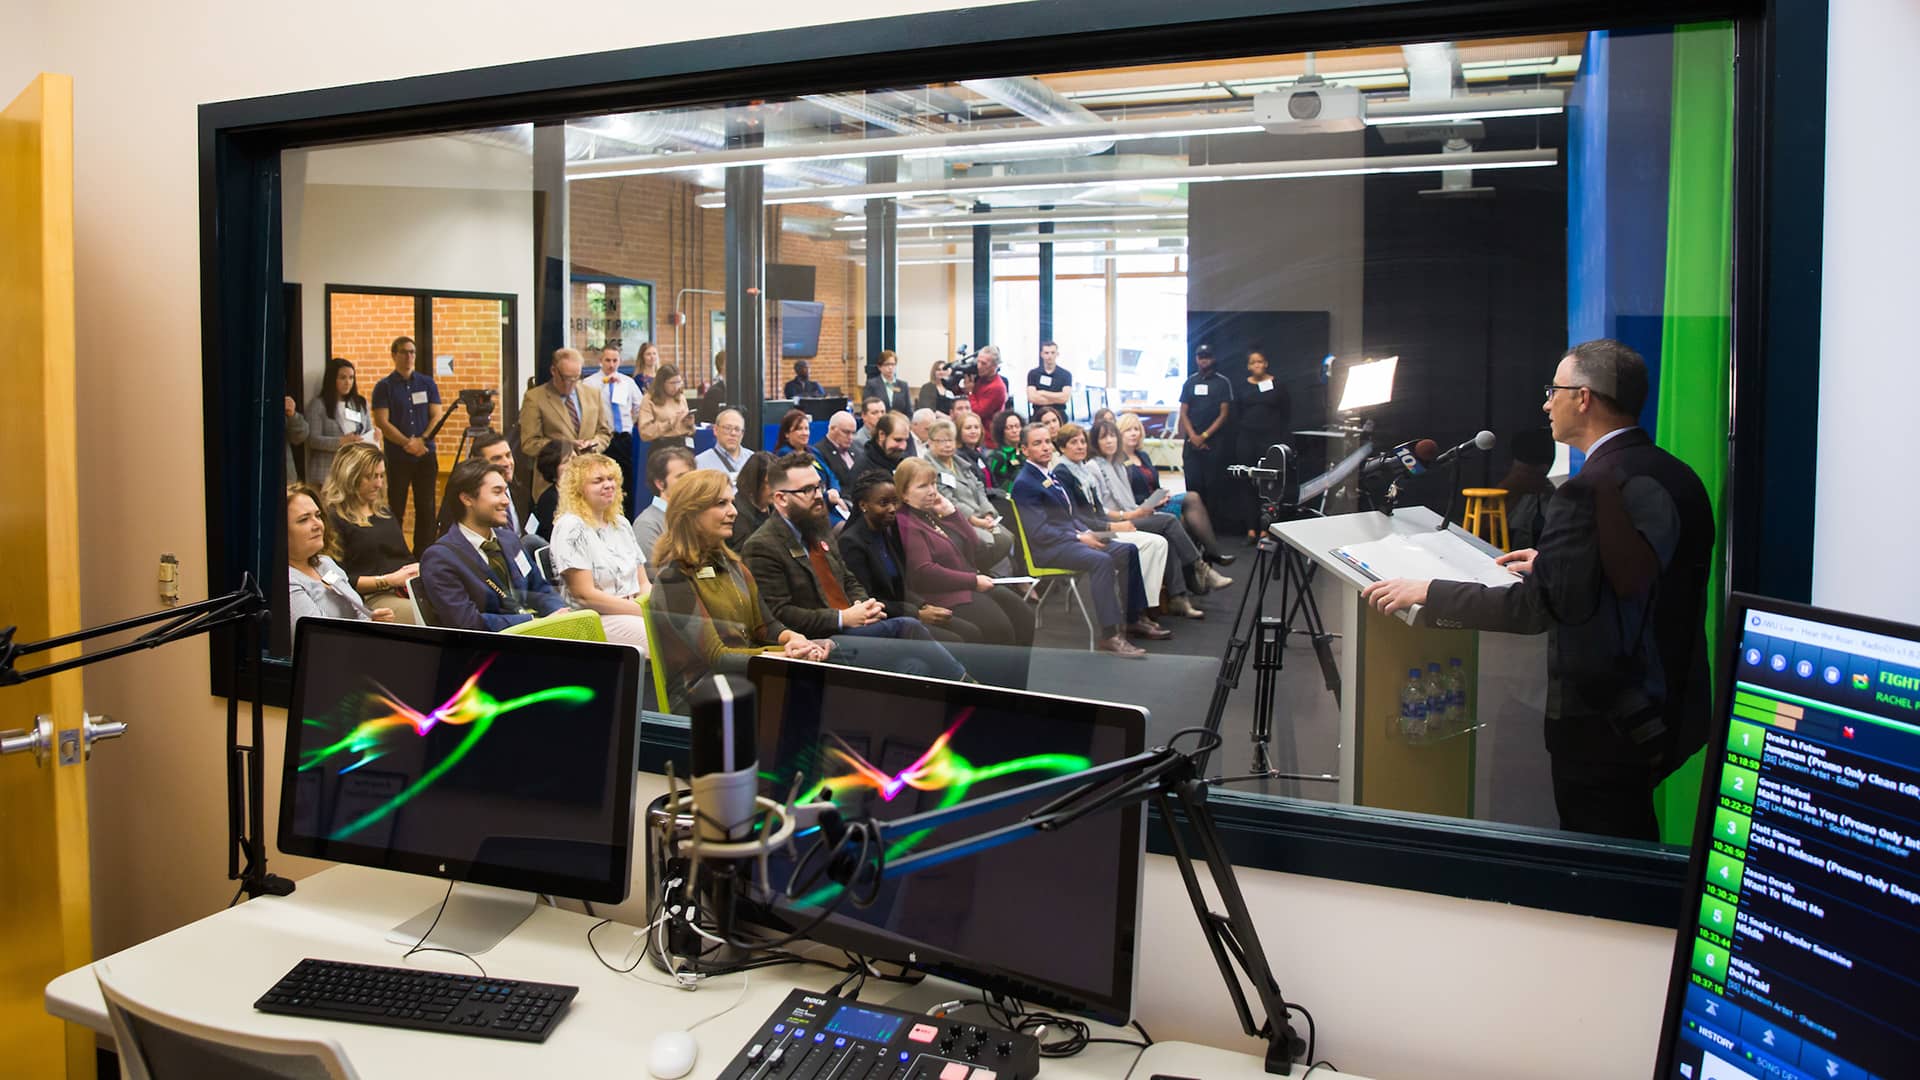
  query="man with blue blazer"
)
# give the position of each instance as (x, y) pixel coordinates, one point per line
(477, 576)
(1060, 540)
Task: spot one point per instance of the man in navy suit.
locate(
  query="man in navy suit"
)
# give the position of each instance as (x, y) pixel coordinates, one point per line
(476, 576)
(1060, 540)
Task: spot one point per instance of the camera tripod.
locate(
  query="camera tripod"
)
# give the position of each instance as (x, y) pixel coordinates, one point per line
(1267, 638)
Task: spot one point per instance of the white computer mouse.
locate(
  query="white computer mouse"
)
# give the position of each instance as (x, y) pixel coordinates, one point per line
(672, 1055)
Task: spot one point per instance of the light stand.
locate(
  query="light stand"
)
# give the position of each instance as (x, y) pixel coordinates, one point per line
(246, 608)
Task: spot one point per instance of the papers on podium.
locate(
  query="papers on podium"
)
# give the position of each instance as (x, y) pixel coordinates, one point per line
(1440, 556)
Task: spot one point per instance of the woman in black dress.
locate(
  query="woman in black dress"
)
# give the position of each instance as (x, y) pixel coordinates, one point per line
(1262, 416)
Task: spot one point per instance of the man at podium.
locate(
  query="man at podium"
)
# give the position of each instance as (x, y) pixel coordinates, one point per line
(1618, 583)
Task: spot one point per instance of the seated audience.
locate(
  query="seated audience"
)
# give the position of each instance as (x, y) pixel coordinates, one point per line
(1107, 467)
(755, 482)
(1060, 539)
(941, 563)
(870, 545)
(372, 549)
(726, 454)
(665, 417)
(1162, 574)
(594, 550)
(809, 588)
(961, 484)
(476, 576)
(802, 384)
(662, 469)
(1185, 505)
(836, 453)
(315, 583)
(1050, 417)
(922, 419)
(973, 449)
(871, 410)
(888, 445)
(493, 447)
(708, 617)
(796, 427)
(552, 457)
(1008, 434)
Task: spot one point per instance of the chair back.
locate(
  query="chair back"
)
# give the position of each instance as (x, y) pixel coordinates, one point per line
(1026, 550)
(420, 605)
(543, 562)
(576, 625)
(153, 1044)
(653, 651)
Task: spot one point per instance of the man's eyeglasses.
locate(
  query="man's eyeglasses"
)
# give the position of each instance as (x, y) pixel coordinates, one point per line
(1551, 387)
(808, 491)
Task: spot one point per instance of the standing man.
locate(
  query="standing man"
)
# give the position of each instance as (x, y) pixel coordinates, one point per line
(986, 388)
(1204, 401)
(621, 395)
(887, 388)
(1619, 585)
(726, 454)
(556, 409)
(406, 406)
(1049, 384)
(806, 585)
(476, 576)
(664, 466)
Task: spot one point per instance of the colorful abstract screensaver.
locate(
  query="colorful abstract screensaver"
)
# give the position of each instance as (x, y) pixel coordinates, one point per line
(849, 779)
(373, 723)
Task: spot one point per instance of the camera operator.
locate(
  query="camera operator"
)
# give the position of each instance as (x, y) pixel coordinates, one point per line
(986, 387)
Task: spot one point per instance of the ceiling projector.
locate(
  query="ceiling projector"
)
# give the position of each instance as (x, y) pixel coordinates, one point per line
(1311, 105)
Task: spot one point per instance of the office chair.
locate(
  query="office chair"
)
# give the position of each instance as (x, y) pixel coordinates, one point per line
(156, 1045)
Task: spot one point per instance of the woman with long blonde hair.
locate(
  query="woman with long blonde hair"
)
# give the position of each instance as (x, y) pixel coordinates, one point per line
(595, 554)
(368, 541)
(707, 612)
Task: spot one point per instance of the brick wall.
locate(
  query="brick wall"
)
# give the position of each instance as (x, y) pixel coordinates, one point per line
(647, 227)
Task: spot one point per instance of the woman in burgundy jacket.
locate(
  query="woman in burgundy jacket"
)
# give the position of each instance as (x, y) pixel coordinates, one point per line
(939, 545)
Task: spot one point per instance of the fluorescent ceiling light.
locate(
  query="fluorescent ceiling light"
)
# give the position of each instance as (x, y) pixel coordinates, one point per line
(1456, 117)
(1193, 174)
(969, 221)
(1467, 107)
(943, 144)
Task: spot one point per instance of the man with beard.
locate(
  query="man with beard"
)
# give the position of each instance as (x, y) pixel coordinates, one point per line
(808, 588)
(890, 445)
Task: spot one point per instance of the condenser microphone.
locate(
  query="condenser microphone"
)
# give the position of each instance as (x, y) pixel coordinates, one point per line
(1482, 441)
(724, 759)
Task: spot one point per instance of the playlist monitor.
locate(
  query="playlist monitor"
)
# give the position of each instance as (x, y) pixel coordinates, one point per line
(487, 759)
(1799, 956)
(1050, 918)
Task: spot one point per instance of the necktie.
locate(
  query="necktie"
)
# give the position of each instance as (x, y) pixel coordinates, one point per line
(496, 561)
(823, 574)
(573, 410)
(613, 407)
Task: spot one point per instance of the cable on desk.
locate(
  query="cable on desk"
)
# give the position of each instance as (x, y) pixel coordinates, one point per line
(422, 946)
(1302, 1010)
(746, 979)
(236, 894)
(1319, 1065)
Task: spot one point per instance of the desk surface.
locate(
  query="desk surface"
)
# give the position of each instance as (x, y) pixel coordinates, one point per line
(212, 970)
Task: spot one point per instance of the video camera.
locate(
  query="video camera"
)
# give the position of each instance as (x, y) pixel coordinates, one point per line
(963, 369)
(479, 405)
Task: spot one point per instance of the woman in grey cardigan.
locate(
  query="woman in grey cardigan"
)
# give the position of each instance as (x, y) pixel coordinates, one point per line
(337, 415)
(962, 485)
(1107, 468)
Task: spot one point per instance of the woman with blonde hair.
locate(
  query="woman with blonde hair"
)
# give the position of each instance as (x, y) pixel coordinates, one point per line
(707, 613)
(664, 418)
(370, 546)
(1185, 505)
(315, 583)
(1158, 571)
(595, 554)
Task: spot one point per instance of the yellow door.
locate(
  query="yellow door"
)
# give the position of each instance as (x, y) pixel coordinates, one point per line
(44, 906)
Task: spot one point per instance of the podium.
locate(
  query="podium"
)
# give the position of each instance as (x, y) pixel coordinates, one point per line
(1378, 767)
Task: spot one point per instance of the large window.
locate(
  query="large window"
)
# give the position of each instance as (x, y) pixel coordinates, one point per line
(1466, 206)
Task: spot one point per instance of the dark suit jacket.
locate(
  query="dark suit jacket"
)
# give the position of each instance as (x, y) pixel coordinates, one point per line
(829, 456)
(454, 578)
(860, 546)
(896, 394)
(1046, 510)
(1620, 587)
(785, 575)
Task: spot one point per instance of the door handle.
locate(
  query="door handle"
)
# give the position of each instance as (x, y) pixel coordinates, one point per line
(37, 739)
(96, 728)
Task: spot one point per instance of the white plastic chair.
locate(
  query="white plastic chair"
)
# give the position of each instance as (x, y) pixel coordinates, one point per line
(156, 1045)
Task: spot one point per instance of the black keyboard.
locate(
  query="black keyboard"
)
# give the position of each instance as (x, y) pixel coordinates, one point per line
(424, 1000)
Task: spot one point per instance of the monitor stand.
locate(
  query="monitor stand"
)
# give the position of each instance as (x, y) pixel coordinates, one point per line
(476, 918)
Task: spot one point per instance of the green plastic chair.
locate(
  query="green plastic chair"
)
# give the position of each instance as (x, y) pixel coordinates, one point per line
(577, 625)
(1073, 579)
(653, 650)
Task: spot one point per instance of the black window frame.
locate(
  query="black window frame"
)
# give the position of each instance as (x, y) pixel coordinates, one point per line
(1780, 107)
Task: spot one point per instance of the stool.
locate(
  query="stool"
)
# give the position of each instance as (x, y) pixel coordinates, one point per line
(1488, 507)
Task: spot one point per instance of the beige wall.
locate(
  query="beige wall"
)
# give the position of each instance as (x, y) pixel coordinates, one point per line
(1402, 984)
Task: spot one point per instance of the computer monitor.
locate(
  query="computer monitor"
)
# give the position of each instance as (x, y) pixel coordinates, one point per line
(1050, 918)
(488, 759)
(1799, 949)
(822, 408)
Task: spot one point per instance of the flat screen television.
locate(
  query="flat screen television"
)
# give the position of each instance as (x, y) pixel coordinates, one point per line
(800, 328)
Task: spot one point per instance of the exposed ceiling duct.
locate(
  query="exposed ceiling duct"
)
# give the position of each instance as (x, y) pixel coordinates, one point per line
(1043, 105)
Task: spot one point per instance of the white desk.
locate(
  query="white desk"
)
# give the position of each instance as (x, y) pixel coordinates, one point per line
(212, 970)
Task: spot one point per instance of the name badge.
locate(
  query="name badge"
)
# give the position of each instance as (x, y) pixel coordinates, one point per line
(419, 397)
(520, 562)
(1046, 381)
(946, 393)
(1264, 385)
(947, 479)
(351, 416)
(705, 572)
(1200, 389)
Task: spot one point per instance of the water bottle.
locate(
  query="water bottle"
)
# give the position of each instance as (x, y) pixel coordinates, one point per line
(1457, 695)
(1413, 709)
(1439, 714)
